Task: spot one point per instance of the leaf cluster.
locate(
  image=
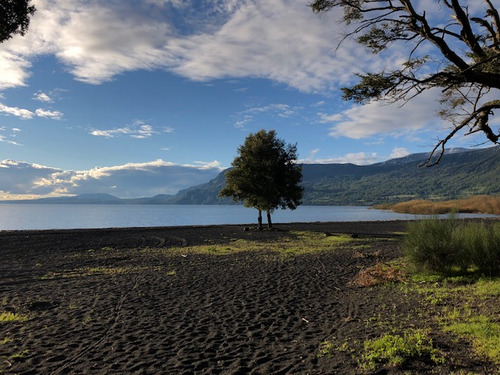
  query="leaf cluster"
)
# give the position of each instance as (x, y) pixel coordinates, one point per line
(14, 17)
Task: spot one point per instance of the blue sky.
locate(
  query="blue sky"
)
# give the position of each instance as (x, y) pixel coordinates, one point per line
(137, 98)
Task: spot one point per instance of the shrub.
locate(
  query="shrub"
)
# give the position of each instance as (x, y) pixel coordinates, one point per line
(441, 246)
(428, 244)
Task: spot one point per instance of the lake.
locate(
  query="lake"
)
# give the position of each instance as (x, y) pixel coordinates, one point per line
(68, 216)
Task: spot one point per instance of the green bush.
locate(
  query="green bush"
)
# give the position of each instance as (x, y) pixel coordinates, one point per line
(428, 244)
(434, 245)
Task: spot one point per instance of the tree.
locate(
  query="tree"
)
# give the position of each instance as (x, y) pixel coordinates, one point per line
(265, 175)
(14, 17)
(467, 47)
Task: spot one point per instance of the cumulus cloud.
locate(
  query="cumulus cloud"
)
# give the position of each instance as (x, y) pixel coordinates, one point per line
(126, 181)
(18, 112)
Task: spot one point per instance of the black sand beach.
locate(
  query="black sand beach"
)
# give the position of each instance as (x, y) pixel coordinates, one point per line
(115, 301)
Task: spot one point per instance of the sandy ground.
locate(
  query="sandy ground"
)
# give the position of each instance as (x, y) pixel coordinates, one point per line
(115, 301)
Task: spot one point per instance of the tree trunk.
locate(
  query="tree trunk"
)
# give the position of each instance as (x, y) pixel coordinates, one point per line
(269, 222)
(260, 220)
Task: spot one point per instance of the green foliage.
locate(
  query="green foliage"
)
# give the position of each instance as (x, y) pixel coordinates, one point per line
(265, 174)
(14, 17)
(484, 333)
(467, 307)
(371, 86)
(7, 317)
(447, 245)
(327, 348)
(428, 244)
(395, 350)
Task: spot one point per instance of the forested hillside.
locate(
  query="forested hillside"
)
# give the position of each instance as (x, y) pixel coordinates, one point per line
(459, 174)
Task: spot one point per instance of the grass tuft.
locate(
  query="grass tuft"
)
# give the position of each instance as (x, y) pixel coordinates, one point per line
(7, 317)
(484, 332)
(395, 350)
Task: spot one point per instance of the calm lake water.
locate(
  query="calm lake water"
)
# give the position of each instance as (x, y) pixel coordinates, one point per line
(67, 216)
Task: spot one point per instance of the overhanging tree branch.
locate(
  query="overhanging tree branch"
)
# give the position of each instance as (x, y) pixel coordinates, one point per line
(467, 70)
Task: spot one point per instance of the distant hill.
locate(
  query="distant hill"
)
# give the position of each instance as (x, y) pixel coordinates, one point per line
(461, 173)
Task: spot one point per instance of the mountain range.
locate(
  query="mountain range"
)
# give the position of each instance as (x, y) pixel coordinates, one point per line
(461, 173)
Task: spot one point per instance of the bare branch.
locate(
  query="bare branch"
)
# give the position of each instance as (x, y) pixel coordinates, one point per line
(481, 116)
(467, 34)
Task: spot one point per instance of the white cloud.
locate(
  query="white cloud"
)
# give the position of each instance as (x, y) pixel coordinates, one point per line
(26, 114)
(42, 97)
(138, 129)
(8, 138)
(260, 40)
(128, 180)
(14, 68)
(357, 158)
(364, 121)
(248, 115)
(399, 152)
(18, 112)
(281, 40)
(56, 115)
(4, 139)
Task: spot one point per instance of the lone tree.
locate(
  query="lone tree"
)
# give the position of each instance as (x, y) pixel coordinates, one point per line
(451, 49)
(264, 175)
(14, 17)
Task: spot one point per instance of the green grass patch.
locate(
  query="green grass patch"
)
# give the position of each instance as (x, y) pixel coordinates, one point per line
(7, 317)
(484, 333)
(396, 349)
(467, 307)
(487, 287)
(300, 242)
(327, 348)
(83, 272)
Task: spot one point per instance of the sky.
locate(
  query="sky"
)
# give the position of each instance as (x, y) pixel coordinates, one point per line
(143, 97)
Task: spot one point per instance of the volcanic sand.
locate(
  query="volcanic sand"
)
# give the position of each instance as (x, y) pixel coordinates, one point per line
(122, 301)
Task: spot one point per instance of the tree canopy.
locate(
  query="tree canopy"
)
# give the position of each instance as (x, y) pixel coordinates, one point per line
(265, 175)
(14, 17)
(456, 49)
